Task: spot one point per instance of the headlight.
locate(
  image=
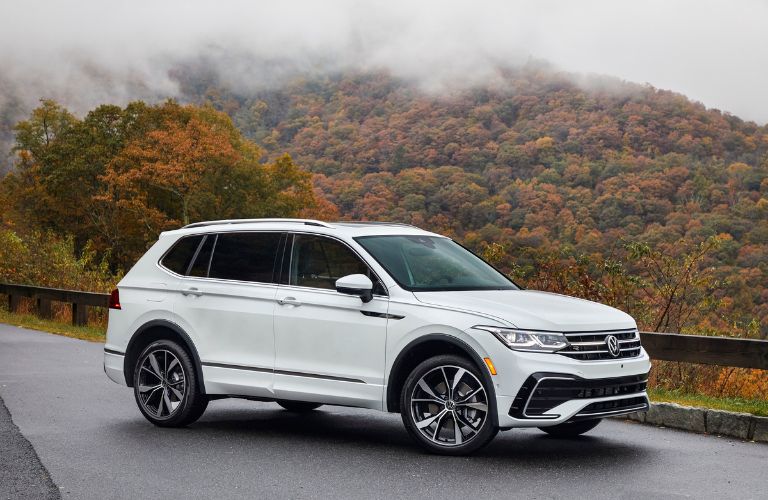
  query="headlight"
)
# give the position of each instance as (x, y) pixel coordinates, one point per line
(526, 340)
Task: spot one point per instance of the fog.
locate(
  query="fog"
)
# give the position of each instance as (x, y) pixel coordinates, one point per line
(86, 52)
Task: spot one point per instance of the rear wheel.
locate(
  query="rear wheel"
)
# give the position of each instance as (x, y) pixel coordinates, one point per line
(166, 387)
(445, 406)
(298, 406)
(571, 429)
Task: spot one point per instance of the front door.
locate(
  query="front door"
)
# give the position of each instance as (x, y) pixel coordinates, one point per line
(329, 347)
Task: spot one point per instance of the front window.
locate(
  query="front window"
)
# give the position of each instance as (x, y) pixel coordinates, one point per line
(317, 262)
(433, 263)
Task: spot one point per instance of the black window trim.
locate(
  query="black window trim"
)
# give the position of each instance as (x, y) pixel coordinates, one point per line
(292, 234)
(210, 257)
(450, 289)
(194, 255)
(284, 269)
(213, 250)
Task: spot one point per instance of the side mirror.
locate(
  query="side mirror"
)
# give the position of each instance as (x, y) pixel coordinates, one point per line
(356, 284)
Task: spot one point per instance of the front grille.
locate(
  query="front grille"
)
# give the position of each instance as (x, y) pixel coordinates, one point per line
(591, 346)
(616, 406)
(543, 391)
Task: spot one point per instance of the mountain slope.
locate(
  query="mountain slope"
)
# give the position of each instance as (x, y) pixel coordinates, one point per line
(534, 159)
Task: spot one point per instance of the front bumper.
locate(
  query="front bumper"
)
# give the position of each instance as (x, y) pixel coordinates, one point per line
(549, 396)
(594, 389)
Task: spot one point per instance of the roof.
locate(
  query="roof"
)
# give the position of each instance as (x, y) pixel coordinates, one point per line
(347, 228)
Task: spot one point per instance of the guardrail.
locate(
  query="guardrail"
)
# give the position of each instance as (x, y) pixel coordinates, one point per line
(722, 351)
(80, 301)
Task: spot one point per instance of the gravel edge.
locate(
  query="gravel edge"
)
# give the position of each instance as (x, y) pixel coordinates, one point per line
(718, 422)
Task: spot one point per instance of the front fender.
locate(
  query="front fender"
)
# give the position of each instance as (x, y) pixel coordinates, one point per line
(458, 339)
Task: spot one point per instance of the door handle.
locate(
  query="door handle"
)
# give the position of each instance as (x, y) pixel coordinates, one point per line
(191, 291)
(289, 301)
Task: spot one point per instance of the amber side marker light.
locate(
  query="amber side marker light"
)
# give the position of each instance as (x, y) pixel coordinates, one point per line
(489, 363)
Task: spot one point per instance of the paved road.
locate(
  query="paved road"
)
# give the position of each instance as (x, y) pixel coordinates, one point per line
(22, 475)
(95, 444)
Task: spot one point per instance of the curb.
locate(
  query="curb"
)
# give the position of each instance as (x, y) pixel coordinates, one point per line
(723, 423)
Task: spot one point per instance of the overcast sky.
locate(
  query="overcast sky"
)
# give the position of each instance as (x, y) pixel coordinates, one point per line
(715, 52)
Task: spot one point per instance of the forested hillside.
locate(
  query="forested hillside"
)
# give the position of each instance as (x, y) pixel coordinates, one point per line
(549, 167)
(588, 186)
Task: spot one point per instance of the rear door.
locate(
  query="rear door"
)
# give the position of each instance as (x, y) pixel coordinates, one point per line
(227, 298)
(329, 346)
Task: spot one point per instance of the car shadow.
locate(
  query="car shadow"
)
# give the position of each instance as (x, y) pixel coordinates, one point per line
(381, 434)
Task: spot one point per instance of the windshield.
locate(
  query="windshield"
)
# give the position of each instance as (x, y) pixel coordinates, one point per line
(433, 263)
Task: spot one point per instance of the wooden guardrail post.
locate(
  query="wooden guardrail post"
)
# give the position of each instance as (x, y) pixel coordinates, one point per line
(79, 314)
(13, 302)
(44, 308)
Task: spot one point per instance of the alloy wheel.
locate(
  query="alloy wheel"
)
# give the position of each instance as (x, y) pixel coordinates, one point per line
(162, 383)
(449, 405)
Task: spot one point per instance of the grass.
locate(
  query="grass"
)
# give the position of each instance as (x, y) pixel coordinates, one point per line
(91, 333)
(753, 406)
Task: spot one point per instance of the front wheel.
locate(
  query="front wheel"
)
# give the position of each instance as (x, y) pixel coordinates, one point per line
(571, 429)
(165, 385)
(446, 408)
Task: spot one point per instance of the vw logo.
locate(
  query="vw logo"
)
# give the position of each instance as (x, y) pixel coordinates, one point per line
(613, 346)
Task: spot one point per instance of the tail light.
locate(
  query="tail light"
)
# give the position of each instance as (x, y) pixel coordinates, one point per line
(114, 299)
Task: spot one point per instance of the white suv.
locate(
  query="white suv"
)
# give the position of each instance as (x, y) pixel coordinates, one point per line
(372, 315)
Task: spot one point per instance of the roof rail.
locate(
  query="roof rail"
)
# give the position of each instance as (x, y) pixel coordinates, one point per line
(308, 222)
(375, 223)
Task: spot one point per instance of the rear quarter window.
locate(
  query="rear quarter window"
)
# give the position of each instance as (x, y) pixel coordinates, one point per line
(180, 256)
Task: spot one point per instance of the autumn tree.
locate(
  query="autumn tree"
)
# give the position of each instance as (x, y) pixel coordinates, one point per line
(121, 175)
(173, 160)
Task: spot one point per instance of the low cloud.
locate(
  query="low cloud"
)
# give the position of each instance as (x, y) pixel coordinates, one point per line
(85, 52)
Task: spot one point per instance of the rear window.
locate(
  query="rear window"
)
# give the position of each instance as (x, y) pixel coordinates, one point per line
(181, 254)
(245, 256)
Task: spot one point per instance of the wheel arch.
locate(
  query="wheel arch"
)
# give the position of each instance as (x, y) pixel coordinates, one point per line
(424, 348)
(159, 330)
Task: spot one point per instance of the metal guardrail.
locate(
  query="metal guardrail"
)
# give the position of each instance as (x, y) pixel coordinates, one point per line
(722, 351)
(80, 301)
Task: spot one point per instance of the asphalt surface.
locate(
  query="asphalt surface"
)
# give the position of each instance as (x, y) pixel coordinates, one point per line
(94, 443)
(22, 475)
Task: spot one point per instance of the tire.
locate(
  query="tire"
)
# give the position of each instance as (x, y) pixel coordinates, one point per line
(165, 385)
(438, 420)
(298, 406)
(571, 429)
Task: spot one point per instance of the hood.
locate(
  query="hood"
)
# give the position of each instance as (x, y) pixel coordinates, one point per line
(534, 310)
